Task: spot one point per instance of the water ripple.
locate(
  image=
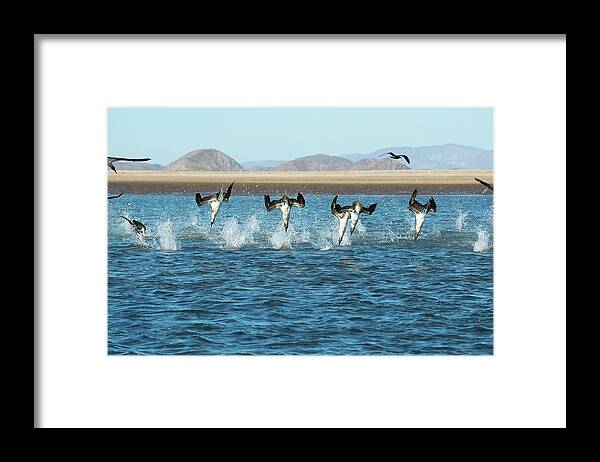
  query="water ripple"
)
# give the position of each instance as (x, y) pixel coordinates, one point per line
(246, 287)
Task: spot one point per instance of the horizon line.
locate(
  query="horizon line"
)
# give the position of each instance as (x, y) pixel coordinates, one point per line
(343, 156)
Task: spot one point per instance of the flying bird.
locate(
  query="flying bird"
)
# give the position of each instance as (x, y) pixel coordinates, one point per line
(114, 197)
(138, 227)
(351, 212)
(115, 159)
(487, 185)
(420, 211)
(214, 200)
(396, 156)
(285, 204)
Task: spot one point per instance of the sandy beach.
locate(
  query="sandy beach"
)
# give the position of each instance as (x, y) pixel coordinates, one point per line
(325, 182)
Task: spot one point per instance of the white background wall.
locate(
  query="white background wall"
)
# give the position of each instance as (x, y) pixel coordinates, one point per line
(522, 384)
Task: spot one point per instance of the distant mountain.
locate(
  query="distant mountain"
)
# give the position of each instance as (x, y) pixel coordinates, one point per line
(137, 166)
(316, 162)
(379, 164)
(261, 164)
(447, 156)
(205, 160)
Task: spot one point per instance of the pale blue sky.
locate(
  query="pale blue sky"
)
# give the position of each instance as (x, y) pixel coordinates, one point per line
(165, 134)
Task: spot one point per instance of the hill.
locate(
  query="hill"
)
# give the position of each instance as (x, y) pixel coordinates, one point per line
(205, 160)
(379, 164)
(317, 162)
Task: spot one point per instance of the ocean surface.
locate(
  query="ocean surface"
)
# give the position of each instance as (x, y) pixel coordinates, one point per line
(248, 287)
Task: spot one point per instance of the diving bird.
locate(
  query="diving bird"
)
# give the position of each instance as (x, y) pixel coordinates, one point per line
(351, 212)
(214, 200)
(285, 204)
(138, 227)
(396, 156)
(487, 185)
(420, 210)
(114, 197)
(115, 159)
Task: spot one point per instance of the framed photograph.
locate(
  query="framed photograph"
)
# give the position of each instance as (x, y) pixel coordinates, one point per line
(284, 226)
(275, 248)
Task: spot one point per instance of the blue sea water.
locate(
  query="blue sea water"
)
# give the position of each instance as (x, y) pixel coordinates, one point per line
(248, 287)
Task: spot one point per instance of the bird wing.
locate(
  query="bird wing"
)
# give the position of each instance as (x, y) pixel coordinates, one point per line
(336, 209)
(369, 210)
(413, 205)
(114, 159)
(114, 197)
(431, 205)
(405, 157)
(487, 185)
(298, 202)
(270, 205)
(204, 200)
(228, 193)
(416, 207)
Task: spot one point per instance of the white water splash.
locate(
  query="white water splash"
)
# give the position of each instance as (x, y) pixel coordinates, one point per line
(142, 241)
(231, 234)
(253, 225)
(360, 229)
(412, 224)
(304, 236)
(166, 238)
(236, 236)
(280, 239)
(321, 238)
(459, 224)
(483, 241)
(202, 227)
